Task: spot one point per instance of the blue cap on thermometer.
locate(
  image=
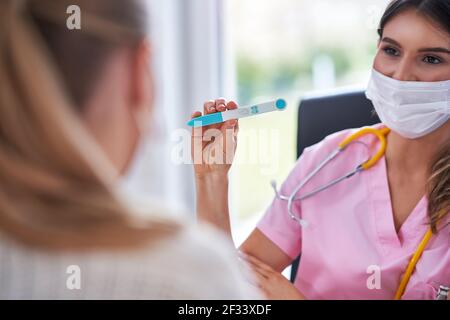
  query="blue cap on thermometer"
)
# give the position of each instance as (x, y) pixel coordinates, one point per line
(242, 112)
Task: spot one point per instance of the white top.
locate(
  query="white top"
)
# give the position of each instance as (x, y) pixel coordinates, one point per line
(195, 264)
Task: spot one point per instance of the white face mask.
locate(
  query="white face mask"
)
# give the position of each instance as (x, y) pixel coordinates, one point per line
(412, 109)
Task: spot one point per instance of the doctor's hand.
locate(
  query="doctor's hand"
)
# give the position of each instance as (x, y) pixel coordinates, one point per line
(213, 147)
(272, 283)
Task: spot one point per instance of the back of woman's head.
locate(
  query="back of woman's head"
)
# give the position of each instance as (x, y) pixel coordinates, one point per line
(55, 183)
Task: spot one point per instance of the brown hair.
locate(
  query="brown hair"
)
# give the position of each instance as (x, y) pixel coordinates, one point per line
(56, 186)
(439, 189)
(439, 182)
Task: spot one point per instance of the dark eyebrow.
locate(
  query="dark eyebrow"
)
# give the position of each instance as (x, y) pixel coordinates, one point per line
(395, 43)
(440, 50)
(391, 41)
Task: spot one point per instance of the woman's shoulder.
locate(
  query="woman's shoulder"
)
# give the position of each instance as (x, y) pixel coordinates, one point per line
(185, 265)
(313, 155)
(332, 141)
(197, 262)
(320, 150)
(196, 253)
(205, 260)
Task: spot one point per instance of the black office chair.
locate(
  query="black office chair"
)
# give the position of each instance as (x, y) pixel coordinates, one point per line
(319, 117)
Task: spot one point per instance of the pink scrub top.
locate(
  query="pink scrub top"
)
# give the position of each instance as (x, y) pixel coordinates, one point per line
(350, 249)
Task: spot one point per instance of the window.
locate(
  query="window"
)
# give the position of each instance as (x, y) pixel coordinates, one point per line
(286, 48)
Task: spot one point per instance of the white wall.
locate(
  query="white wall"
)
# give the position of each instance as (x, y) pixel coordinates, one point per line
(190, 66)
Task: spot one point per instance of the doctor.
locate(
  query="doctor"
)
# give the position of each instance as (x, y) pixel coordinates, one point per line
(376, 219)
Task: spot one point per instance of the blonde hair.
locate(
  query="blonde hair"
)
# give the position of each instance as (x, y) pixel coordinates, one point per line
(55, 182)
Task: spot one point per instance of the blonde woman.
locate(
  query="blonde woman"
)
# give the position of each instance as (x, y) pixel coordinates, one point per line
(73, 105)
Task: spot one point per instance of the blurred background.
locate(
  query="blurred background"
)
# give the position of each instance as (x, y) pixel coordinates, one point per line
(250, 51)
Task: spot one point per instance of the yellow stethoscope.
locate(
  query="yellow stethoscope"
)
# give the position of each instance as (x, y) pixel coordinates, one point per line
(381, 135)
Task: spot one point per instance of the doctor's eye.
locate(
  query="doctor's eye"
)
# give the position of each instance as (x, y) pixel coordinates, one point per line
(391, 51)
(432, 60)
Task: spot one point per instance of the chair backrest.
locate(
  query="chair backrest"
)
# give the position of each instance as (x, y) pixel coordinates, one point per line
(319, 117)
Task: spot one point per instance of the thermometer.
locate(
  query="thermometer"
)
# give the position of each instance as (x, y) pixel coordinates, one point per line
(242, 112)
